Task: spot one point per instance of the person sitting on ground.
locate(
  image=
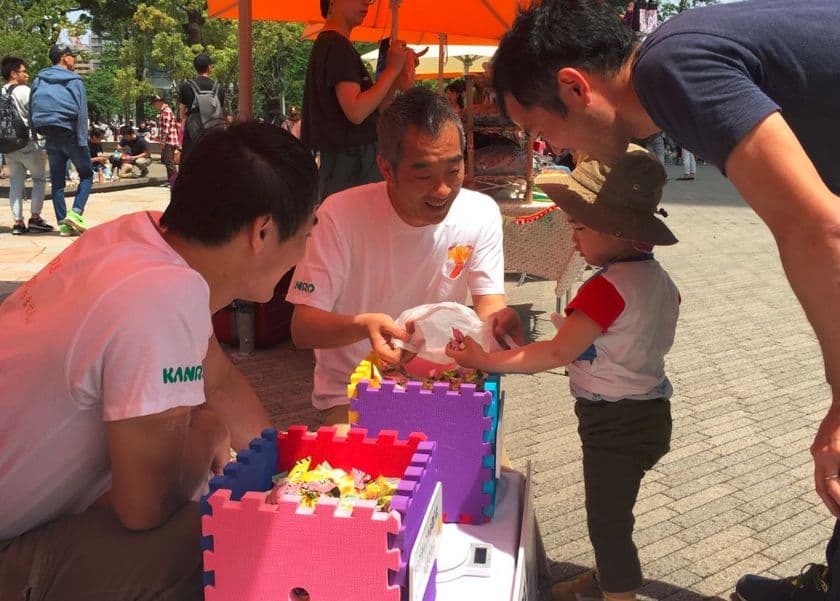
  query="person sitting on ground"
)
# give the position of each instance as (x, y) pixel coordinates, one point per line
(117, 416)
(97, 159)
(614, 339)
(435, 241)
(132, 158)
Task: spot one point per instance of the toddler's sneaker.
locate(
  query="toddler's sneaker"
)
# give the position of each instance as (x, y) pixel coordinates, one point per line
(75, 221)
(37, 224)
(66, 230)
(18, 229)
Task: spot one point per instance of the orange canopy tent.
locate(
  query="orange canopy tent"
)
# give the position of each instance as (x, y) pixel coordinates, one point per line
(416, 21)
(484, 21)
(412, 37)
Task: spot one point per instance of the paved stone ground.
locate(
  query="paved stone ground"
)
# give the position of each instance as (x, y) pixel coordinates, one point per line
(734, 495)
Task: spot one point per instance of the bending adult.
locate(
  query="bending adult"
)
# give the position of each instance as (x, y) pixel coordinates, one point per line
(117, 417)
(341, 101)
(748, 88)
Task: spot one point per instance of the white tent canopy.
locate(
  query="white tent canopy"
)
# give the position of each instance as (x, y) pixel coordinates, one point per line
(460, 60)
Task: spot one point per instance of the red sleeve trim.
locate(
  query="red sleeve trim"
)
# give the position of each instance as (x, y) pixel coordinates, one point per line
(598, 300)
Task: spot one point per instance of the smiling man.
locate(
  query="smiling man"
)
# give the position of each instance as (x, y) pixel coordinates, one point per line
(114, 419)
(753, 88)
(379, 249)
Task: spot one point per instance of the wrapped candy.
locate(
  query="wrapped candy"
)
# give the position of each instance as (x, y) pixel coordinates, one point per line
(325, 480)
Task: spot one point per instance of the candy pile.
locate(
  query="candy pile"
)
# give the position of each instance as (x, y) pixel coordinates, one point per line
(454, 377)
(325, 480)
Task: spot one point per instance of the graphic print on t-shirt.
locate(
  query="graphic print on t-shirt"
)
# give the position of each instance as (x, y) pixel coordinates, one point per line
(457, 256)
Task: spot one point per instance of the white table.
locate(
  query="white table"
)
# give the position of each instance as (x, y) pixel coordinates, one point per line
(507, 541)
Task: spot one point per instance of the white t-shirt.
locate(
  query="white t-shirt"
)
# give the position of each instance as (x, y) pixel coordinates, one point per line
(115, 327)
(20, 97)
(363, 258)
(637, 305)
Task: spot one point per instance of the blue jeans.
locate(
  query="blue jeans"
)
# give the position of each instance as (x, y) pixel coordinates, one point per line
(59, 150)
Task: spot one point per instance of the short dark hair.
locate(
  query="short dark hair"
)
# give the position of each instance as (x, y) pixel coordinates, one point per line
(420, 108)
(459, 87)
(202, 62)
(235, 175)
(9, 65)
(126, 130)
(95, 133)
(551, 35)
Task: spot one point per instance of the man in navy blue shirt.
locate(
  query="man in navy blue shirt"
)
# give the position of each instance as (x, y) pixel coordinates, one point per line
(754, 88)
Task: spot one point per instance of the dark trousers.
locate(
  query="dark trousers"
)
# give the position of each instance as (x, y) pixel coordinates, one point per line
(347, 168)
(60, 148)
(167, 157)
(620, 442)
(832, 559)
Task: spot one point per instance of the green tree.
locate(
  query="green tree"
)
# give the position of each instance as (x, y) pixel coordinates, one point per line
(28, 28)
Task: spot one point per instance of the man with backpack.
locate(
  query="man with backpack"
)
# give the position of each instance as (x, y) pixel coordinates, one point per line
(22, 151)
(60, 114)
(202, 103)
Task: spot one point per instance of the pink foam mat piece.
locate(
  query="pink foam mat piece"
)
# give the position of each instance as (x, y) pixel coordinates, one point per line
(267, 550)
(257, 550)
(454, 420)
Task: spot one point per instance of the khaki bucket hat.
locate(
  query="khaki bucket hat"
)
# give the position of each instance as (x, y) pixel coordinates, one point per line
(620, 200)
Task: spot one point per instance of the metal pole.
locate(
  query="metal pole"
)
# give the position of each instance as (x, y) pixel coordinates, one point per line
(246, 73)
(395, 19)
(441, 60)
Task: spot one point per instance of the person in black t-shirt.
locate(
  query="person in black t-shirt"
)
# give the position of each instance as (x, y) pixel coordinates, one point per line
(203, 67)
(132, 157)
(340, 101)
(753, 88)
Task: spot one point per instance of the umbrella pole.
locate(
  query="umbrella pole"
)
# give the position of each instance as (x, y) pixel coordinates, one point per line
(246, 73)
(441, 60)
(395, 19)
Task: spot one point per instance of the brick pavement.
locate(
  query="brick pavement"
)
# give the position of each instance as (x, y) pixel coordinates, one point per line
(734, 495)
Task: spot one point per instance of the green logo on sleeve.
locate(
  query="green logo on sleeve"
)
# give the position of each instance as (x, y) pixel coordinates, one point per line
(173, 375)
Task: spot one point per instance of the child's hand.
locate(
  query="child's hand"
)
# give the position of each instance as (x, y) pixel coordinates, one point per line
(465, 351)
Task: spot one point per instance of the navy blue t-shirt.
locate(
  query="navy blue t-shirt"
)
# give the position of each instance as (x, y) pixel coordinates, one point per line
(709, 75)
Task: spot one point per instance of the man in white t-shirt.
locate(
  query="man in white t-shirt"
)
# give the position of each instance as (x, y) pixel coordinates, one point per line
(31, 157)
(117, 400)
(379, 249)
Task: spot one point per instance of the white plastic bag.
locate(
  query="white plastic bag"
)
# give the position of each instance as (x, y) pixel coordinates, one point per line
(433, 326)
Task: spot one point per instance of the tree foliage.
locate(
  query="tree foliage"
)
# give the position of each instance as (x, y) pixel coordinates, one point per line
(29, 27)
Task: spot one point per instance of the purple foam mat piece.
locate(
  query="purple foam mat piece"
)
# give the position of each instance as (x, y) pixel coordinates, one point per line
(454, 420)
(423, 463)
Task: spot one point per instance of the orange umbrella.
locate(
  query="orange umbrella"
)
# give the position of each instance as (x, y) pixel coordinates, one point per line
(416, 38)
(483, 21)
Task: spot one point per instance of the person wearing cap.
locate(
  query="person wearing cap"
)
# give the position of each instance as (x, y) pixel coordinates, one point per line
(170, 147)
(59, 112)
(613, 340)
(188, 106)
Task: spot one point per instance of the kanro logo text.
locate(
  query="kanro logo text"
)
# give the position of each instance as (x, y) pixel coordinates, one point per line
(304, 286)
(174, 375)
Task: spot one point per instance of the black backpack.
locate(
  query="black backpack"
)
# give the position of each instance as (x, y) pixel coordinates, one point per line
(208, 104)
(14, 134)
